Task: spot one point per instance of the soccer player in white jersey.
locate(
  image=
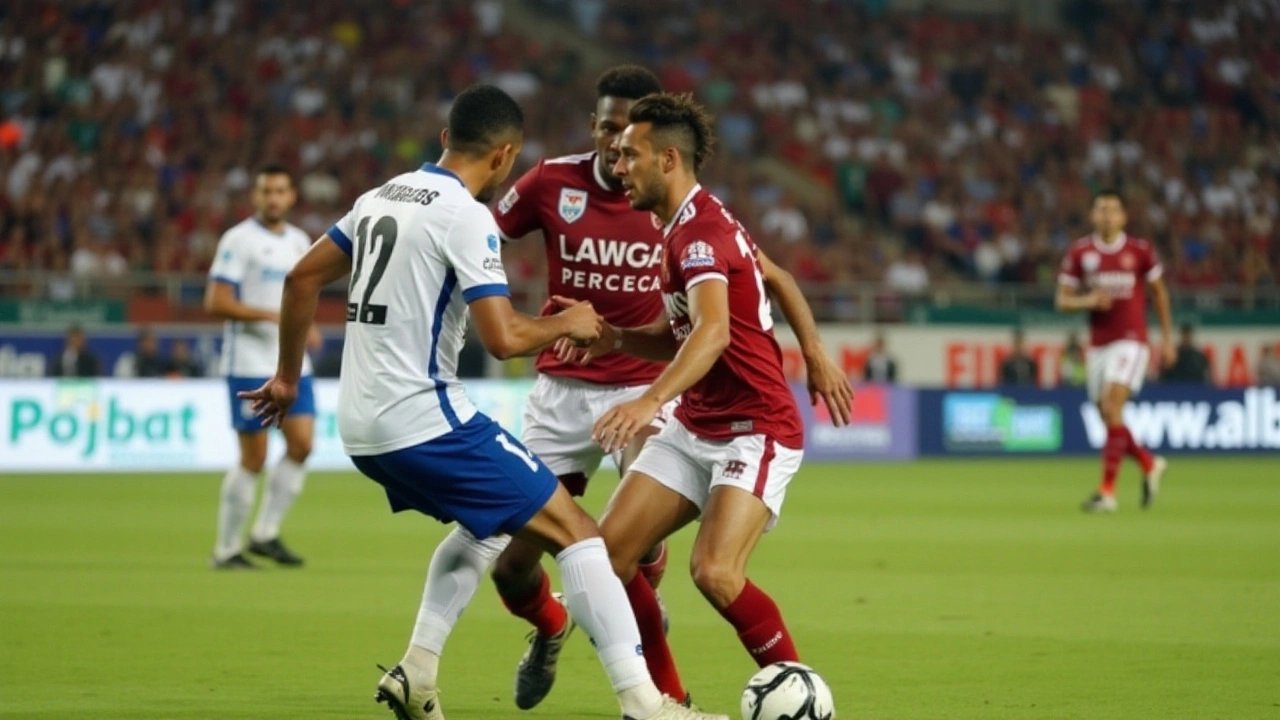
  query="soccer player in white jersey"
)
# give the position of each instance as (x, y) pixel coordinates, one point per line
(422, 250)
(245, 284)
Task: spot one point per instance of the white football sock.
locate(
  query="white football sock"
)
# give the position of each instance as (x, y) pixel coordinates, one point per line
(599, 604)
(458, 565)
(233, 510)
(284, 484)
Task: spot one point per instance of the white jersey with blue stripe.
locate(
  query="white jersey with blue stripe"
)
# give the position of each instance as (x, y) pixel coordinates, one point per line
(421, 248)
(255, 260)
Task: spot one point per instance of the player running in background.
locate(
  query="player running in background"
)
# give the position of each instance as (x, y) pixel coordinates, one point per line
(736, 438)
(245, 284)
(1107, 274)
(602, 250)
(422, 251)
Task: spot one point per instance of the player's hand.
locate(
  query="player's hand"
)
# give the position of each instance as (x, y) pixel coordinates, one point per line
(829, 382)
(615, 429)
(1101, 300)
(572, 354)
(272, 401)
(1168, 353)
(584, 323)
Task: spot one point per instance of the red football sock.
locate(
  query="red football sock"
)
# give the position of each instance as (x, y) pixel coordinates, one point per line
(657, 654)
(760, 628)
(1139, 453)
(1112, 453)
(653, 571)
(540, 608)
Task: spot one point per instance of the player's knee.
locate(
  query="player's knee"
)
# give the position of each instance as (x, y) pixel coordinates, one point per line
(253, 461)
(717, 579)
(1112, 411)
(511, 571)
(623, 554)
(298, 449)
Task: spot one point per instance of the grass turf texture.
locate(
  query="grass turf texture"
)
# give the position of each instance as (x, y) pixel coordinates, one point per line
(966, 589)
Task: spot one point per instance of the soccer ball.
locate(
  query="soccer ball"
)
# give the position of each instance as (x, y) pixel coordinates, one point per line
(787, 691)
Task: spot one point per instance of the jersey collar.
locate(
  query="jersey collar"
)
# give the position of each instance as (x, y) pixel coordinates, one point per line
(595, 172)
(437, 170)
(1113, 248)
(675, 218)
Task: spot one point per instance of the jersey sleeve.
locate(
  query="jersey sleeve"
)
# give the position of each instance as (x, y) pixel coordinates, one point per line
(1069, 272)
(699, 260)
(345, 229)
(229, 262)
(1151, 267)
(517, 213)
(473, 250)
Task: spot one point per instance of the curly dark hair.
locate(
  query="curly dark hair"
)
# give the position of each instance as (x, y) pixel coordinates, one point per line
(678, 122)
(628, 82)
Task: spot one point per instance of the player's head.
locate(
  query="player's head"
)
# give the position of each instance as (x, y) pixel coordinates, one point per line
(616, 91)
(273, 193)
(1108, 213)
(486, 125)
(668, 135)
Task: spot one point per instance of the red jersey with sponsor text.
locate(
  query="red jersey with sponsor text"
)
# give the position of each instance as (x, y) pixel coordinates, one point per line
(598, 249)
(1122, 269)
(745, 392)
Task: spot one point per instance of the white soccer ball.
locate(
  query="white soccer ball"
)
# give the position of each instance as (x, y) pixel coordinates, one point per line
(787, 691)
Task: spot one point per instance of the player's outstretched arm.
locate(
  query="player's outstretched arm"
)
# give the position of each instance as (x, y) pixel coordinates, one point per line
(506, 333)
(220, 301)
(1168, 349)
(825, 378)
(650, 342)
(324, 263)
(707, 340)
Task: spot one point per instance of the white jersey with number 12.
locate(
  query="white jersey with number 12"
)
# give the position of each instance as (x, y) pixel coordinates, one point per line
(421, 249)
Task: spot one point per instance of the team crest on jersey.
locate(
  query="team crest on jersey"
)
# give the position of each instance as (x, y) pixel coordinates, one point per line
(508, 201)
(1090, 262)
(1127, 261)
(698, 255)
(573, 204)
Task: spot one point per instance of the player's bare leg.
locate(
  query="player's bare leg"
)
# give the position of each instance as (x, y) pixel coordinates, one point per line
(284, 484)
(654, 563)
(593, 595)
(642, 513)
(525, 590)
(732, 523)
(1120, 442)
(239, 487)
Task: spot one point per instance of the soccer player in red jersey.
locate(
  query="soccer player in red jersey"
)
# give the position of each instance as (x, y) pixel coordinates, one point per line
(736, 438)
(1107, 274)
(601, 249)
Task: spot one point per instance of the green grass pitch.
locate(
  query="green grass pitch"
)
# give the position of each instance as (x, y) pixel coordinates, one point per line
(964, 589)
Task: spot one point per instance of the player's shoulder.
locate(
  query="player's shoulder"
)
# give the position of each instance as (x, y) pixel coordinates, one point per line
(247, 228)
(1140, 244)
(1080, 244)
(705, 215)
(565, 169)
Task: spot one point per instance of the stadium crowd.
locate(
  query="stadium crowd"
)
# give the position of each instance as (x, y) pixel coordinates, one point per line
(956, 148)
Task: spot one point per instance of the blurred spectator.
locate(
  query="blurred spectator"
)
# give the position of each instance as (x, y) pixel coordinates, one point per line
(1019, 369)
(147, 360)
(907, 275)
(1191, 366)
(76, 359)
(1071, 366)
(880, 367)
(785, 221)
(1269, 367)
(181, 364)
